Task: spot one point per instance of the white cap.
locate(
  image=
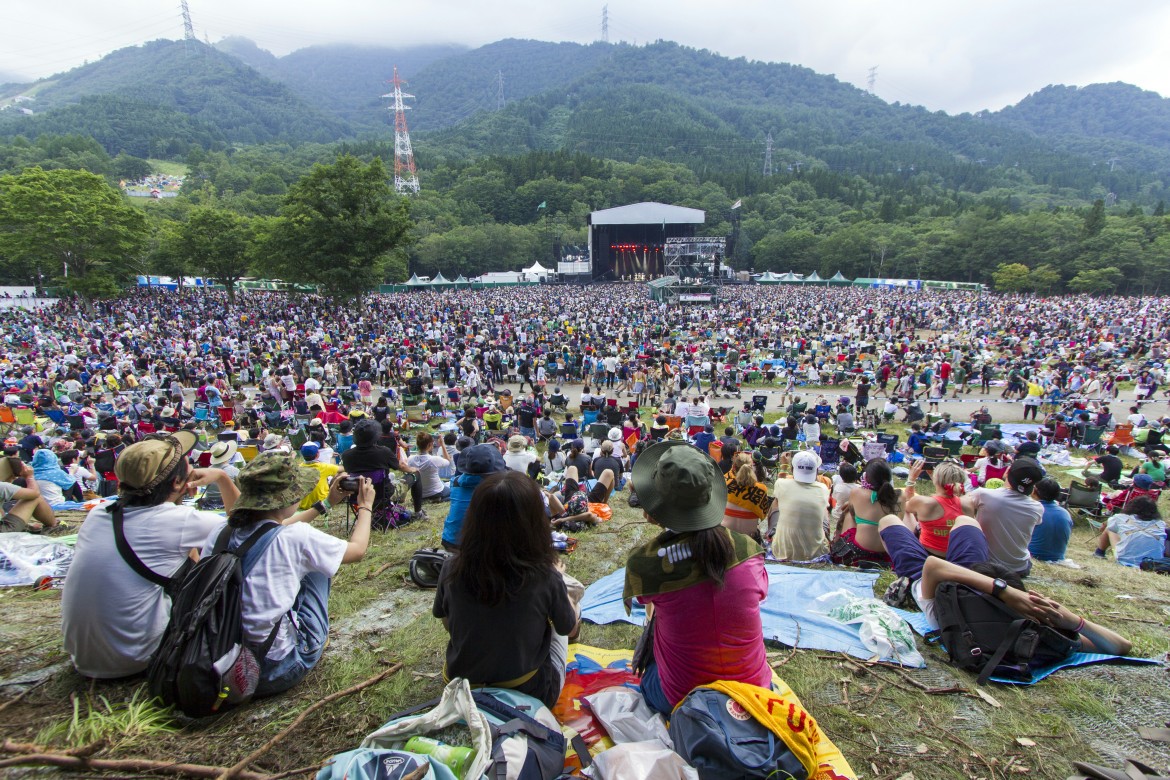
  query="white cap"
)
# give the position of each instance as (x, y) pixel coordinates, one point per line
(805, 465)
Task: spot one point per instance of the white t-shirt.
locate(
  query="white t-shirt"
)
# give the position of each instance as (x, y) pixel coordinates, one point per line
(428, 472)
(111, 618)
(273, 584)
(518, 461)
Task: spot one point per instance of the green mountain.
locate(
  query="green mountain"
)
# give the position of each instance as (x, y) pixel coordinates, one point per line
(1116, 111)
(212, 96)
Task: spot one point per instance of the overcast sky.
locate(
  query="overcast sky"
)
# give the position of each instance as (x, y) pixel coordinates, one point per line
(943, 55)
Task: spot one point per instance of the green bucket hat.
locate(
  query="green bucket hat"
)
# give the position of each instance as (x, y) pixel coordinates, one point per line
(680, 487)
(274, 480)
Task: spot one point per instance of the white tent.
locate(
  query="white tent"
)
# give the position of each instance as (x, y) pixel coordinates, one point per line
(536, 272)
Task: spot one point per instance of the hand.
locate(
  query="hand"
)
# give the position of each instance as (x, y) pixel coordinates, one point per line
(365, 493)
(336, 494)
(201, 477)
(915, 472)
(26, 471)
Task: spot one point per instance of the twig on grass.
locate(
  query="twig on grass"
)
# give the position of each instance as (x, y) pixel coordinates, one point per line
(238, 769)
(23, 693)
(795, 645)
(37, 755)
(382, 569)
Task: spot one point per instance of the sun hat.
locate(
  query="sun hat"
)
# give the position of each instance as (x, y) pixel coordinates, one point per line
(615, 434)
(804, 466)
(145, 464)
(272, 441)
(316, 422)
(274, 480)
(222, 452)
(680, 487)
(482, 459)
(517, 444)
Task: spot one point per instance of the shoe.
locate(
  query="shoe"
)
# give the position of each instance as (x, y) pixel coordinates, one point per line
(1099, 553)
(420, 515)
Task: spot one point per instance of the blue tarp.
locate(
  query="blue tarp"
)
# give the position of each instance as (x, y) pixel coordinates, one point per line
(786, 614)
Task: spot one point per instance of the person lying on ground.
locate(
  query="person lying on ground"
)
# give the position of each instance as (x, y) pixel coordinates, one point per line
(285, 597)
(969, 563)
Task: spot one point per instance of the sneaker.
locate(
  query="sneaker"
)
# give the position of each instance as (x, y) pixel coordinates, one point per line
(1099, 553)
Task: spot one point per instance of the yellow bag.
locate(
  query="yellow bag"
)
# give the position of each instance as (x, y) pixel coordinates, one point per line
(781, 712)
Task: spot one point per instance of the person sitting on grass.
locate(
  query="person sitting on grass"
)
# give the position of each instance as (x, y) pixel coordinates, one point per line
(284, 604)
(325, 471)
(968, 562)
(1136, 533)
(748, 501)
(30, 512)
(1050, 538)
(584, 507)
(799, 512)
(476, 463)
(872, 498)
(1154, 468)
(1111, 466)
(702, 584)
(1008, 515)
(112, 617)
(502, 597)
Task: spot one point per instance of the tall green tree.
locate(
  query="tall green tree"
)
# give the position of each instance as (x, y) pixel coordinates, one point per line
(338, 228)
(216, 243)
(1012, 277)
(72, 222)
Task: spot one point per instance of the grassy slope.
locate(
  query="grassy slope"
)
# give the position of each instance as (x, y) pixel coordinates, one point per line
(889, 727)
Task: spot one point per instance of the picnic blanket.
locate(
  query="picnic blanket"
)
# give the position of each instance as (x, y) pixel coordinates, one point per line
(918, 622)
(26, 558)
(81, 506)
(787, 613)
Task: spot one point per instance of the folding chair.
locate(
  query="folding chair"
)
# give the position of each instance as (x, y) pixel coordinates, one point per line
(696, 423)
(57, 416)
(715, 450)
(202, 412)
(569, 431)
(759, 403)
(830, 453)
(934, 456)
(297, 438)
(873, 450)
(599, 431)
(7, 420)
(226, 414)
(1061, 434)
(613, 416)
(889, 441)
(25, 416)
(248, 451)
(76, 422)
(1092, 438)
(989, 433)
(1122, 434)
(384, 517)
(673, 421)
(1085, 502)
(145, 427)
(953, 446)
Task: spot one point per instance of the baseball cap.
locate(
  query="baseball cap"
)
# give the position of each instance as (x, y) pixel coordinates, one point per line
(1023, 475)
(482, 459)
(145, 464)
(1143, 481)
(804, 466)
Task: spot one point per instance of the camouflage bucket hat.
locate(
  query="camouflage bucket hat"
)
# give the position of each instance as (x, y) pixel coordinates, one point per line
(274, 480)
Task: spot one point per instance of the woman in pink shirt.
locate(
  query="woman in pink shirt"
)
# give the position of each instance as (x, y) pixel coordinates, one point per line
(702, 583)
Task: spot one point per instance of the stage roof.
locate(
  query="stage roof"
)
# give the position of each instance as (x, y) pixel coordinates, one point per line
(649, 213)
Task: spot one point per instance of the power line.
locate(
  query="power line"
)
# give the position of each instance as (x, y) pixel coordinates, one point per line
(605, 24)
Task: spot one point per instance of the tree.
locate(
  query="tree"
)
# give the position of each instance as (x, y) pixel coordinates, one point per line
(338, 227)
(1045, 278)
(73, 221)
(1095, 219)
(1012, 277)
(217, 244)
(1096, 281)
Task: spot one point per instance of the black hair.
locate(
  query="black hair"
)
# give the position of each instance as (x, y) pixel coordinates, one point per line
(161, 491)
(242, 518)
(505, 539)
(878, 474)
(712, 550)
(1143, 508)
(1048, 489)
(847, 472)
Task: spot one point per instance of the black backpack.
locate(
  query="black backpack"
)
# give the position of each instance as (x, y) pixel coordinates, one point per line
(203, 664)
(426, 565)
(983, 635)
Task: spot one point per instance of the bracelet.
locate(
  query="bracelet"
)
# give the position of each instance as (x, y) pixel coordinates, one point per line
(367, 508)
(1080, 626)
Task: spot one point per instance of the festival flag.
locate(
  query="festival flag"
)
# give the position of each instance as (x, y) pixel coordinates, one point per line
(543, 205)
(737, 204)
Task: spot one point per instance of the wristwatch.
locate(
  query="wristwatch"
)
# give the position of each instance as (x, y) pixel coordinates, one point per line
(320, 508)
(998, 586)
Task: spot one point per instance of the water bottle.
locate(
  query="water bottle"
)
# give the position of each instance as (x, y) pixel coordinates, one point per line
(453, 757)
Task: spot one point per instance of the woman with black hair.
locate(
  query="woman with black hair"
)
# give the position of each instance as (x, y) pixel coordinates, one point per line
(872, 499)
(1135, 533)
(502, 597)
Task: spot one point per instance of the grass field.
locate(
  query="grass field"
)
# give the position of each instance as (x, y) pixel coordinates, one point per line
(882, 719)
(168, 167)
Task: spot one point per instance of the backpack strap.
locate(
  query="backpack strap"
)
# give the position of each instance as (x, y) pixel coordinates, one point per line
(250, 552)
(1009, 641)
(127, 552)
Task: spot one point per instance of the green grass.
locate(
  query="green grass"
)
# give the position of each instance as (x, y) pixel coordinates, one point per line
(168, 167)
(114, 724)
(378, 617)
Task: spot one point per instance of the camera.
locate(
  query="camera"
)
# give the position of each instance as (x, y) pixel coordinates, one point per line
(350, 484)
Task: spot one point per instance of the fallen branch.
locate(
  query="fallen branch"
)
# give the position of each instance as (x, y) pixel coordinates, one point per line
(22, 694)
(382, 569)
(130, 765)
(954, 689)
(795, 645)
(985, 761)
(238, 769)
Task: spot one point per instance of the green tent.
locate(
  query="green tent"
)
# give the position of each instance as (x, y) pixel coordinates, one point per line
(839, 280)
(769, 278)
(812, 278)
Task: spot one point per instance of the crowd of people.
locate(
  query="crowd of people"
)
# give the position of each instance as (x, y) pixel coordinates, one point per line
(319, 397)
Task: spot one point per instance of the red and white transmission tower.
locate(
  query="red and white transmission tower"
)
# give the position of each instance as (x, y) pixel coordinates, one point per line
(405, 175)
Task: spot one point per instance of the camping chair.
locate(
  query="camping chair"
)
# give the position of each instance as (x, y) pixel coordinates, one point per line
(1061, 434)
(953, 446)
(569, 431)
(57, 416)
(106, 407)
(145, 427)
(226, 414)
(204, 459)
(386, 514)
(7, 420)
(673, 421)
(932, 456)
(1092, 437)
(76, 421)
(435, 406)
(889, 441)
(1085, 502)
(988, 433)
(715, 450)
(589, 416)
(559, 403)
(759, 403)
(248, 452)
(873, 450)
(25, 416)
(696, 423)
(630, 407)
(830, 453)
(296, 438)
(1122, 435)
(613, 416)
(599, 431)
(851, 454)
(968, 460)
